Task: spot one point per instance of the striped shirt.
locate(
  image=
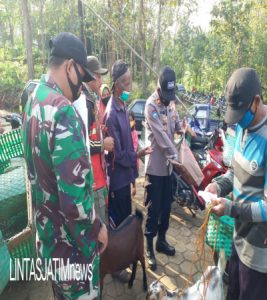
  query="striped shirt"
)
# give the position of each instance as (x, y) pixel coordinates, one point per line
(248, 178)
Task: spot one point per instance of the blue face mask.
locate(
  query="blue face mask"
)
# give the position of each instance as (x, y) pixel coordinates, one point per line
(247, 119)
(125, 96)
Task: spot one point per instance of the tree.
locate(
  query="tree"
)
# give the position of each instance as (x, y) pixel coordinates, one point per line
(81, 17)
(157, 52)
(142, 40)
(28, 38)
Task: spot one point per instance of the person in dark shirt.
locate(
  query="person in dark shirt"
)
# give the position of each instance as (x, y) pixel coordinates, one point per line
(122, 162)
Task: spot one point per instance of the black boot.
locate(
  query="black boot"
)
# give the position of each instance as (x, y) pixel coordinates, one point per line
(163, 246)
(150, 254)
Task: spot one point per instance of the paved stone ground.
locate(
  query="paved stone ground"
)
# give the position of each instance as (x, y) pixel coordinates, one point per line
(174, 272)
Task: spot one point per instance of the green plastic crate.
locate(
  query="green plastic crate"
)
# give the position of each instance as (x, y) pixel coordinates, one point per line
(13, 202)
(4, 165)
(15, 224)
(10, 147)
(220, 233)
(4, 263)
(22, 246)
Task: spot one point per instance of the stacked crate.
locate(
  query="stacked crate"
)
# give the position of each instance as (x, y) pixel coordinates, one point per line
(17, 236)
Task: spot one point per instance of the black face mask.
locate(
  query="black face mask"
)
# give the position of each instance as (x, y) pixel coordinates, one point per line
(162, 100)
(105, 100)
(75, 87)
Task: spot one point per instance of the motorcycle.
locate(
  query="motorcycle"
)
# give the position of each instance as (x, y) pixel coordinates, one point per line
(214, 159)
(201, 140)
(187, 195)
(14, 119)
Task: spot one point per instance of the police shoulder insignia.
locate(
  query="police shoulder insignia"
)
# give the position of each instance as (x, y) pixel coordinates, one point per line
(155, 114)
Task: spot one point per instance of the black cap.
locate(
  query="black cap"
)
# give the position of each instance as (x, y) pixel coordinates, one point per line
(95, 66)
(68, 45)
(241, 88)
(167, 83)
(118, 69)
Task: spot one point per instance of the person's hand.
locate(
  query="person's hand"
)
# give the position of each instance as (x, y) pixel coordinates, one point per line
(102, 238)
(212, 188)
(133, 191)
(191, 131)
(109, 144)
(145, 151)
(219, 206)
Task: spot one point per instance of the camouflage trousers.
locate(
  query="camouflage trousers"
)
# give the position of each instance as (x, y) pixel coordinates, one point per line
(79, 290)
(100, 200)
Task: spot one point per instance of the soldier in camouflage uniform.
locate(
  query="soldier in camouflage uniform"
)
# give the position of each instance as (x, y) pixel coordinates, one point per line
(60, 171)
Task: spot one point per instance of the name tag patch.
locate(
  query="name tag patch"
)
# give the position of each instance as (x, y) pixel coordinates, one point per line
(170, 85)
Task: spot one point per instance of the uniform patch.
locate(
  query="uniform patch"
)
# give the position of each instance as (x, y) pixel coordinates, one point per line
(155, 114)
(170, 85)
(253, 165)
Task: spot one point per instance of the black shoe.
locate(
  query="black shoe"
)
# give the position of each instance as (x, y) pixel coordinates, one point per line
(150, 254)
(163, 246)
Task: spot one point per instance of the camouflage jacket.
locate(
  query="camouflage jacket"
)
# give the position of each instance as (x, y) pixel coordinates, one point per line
(61, 176)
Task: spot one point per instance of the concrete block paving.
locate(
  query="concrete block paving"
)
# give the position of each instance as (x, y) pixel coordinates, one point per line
(174, 272)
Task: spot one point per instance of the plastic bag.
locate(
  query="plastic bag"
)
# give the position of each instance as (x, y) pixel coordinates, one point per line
(228, 148)
(187, 166)
(208, 287)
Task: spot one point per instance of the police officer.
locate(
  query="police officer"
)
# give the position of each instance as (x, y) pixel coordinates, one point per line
(161, 122)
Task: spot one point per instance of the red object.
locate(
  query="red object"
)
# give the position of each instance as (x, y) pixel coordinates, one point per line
(135, 144)
(212, 101)
(97, 160)
(214, 168)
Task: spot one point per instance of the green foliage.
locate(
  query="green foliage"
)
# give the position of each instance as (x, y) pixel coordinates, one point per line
(12, 77)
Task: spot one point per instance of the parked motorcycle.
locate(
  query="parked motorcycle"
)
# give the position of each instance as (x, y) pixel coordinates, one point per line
(14, 119)
(187, 195)
(214, 159)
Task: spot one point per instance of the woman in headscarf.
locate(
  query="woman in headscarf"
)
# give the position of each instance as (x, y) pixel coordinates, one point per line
(104, 96)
